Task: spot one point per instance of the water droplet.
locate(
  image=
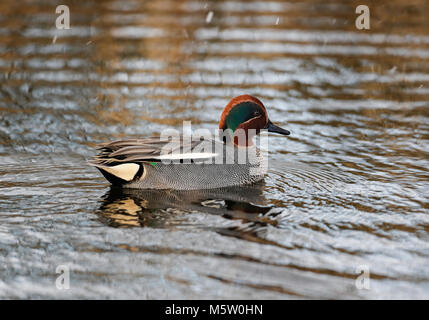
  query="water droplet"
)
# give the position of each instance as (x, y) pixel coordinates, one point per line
(209, 17)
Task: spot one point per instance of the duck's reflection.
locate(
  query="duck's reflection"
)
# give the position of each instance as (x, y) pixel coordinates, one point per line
(162, 208)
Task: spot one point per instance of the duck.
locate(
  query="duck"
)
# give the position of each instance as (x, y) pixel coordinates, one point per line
(192, 162)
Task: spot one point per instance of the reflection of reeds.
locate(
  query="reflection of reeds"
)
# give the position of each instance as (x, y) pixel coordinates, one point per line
(164, 41)
(141, 65)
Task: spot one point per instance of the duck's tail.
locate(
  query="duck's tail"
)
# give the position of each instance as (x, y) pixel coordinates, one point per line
(118, 174)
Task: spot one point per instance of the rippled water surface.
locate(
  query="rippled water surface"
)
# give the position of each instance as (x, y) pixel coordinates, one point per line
(347, 190)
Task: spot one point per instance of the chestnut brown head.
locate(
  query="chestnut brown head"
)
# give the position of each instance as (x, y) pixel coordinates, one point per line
(247, 112)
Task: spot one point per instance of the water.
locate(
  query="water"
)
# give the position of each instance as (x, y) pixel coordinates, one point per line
(346, 192)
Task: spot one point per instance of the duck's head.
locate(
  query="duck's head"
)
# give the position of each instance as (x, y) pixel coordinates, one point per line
(247, 112)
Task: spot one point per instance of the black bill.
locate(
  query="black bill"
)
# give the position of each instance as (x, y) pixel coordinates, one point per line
(273, 128)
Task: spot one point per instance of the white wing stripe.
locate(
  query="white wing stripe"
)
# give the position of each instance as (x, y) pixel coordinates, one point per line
(196, 155)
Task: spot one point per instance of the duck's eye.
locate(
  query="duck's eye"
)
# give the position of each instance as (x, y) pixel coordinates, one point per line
(256, 113)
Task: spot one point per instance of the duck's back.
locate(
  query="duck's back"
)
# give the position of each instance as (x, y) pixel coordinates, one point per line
(193, 165)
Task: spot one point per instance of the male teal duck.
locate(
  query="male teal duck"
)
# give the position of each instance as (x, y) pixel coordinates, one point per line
(186, 163)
